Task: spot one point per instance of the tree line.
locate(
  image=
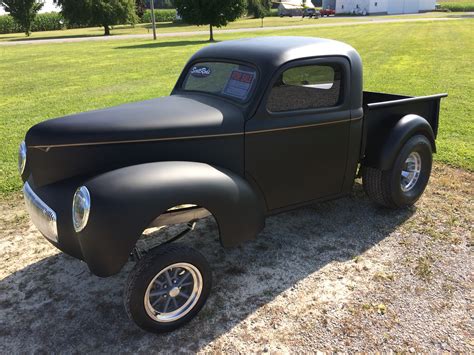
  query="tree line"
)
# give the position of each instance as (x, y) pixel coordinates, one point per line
(107, 13)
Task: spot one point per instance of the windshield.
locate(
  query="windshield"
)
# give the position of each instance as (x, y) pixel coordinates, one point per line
(230, 80)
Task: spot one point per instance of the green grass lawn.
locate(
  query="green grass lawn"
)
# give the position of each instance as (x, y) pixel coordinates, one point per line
(48, 80)
(455, 1)
(457, 5)
(167, 27)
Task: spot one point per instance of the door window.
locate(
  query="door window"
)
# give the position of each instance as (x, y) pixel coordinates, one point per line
(306, 87)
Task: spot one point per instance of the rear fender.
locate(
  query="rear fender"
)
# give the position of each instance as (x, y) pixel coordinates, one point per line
(404, 129)
(124, 203)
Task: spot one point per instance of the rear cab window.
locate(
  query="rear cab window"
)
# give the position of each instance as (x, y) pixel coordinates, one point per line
(306, 87)
(230, 80)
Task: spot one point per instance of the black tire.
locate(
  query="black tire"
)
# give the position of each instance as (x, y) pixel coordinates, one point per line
(384, 186)
(156, 261)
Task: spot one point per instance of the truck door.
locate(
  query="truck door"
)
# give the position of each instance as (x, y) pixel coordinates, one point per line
(296, 144)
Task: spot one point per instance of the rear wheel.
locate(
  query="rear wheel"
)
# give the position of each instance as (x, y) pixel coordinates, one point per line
(404, 183)
(167, 288)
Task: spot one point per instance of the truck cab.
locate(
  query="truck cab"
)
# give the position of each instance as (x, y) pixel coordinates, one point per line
(304, 100)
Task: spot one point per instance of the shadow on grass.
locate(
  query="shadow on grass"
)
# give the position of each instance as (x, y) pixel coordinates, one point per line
(161, 25)
(56, 305)
(57, 37)
(159, 44)
(9, 38)
(462, 15)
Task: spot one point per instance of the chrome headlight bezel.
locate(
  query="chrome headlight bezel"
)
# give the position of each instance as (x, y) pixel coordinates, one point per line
(22, 157)
(81, 205)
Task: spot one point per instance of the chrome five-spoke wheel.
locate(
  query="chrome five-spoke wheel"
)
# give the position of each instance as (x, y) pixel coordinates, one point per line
(404, 182)
(410, 172)
(167, 287)
(173, 292)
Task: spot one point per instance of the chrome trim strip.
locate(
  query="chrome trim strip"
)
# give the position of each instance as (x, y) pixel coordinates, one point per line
(42, 216)
(297, 127)
(136, 140)
(47, 147)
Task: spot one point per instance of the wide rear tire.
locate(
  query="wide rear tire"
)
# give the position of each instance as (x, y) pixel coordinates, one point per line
(405, 182)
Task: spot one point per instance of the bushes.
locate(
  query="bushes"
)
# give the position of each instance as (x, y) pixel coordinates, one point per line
(8, 25)
(43, 22)
(54, 21)
(48, 22)
(161, 15)
(457, 6)
(273, 13)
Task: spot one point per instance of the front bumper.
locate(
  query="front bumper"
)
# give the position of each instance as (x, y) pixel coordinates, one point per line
(42, 216)
(50, 209)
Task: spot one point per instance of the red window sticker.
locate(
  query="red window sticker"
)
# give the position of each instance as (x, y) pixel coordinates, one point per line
(239, 84)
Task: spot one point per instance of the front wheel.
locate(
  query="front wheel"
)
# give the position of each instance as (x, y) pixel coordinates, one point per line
(167, 288)
(405, 182)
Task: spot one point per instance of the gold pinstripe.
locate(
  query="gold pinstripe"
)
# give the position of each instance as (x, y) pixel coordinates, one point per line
(47, 147)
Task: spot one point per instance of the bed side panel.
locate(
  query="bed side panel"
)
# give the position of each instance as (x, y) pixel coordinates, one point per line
(379, 121)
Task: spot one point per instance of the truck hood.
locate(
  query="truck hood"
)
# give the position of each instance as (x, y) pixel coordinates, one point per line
(178, 127)
(163, 118)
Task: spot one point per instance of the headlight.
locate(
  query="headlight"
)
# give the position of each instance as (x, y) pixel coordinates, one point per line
(81, 205)
(22, 157)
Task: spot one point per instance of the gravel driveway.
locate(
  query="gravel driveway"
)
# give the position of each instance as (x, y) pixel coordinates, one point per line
(341, 275)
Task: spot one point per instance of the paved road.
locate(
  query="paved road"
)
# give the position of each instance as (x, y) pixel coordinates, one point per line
(202, 32)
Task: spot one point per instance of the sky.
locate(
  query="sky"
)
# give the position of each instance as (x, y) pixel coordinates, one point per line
(47, 7)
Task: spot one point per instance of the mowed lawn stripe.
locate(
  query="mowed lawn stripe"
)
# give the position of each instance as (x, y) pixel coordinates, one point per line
(47, 81)
(169, 27)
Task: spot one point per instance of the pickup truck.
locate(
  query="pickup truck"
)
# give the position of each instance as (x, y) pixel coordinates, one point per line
(253, 127)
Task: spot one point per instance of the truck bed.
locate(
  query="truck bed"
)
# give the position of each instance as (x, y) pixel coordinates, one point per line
(383, 111)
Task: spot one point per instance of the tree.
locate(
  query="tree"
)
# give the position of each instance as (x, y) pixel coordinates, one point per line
(23, 12)
(215, 13)
(103, 13)
(304, 7)
(164, 4)
(259, 8)
(140, 8)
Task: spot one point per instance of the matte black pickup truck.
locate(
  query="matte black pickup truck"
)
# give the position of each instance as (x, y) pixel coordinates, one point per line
(253, 127)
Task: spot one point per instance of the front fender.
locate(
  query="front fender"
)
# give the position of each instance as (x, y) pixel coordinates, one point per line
(405, 128)
(125, 201)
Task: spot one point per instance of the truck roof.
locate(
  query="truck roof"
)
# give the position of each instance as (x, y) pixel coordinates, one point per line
(268, 54)
(276, 50)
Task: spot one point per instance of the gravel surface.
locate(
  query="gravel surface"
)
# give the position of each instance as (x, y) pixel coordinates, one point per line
(343, 275)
